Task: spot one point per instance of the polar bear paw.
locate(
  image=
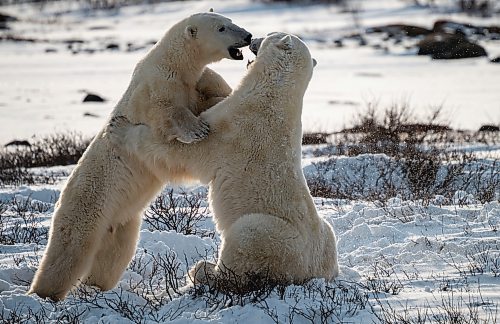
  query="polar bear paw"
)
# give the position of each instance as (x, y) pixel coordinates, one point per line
(117, 129)
(194, 130)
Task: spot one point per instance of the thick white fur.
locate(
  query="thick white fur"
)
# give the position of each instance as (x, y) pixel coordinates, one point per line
(96, 222)
(252, 160)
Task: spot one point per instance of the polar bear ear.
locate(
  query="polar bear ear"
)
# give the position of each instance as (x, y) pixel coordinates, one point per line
(191, 31)
(314, 62)
(285, 43)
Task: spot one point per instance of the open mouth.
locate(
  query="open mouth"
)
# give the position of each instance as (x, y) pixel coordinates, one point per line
(235, 53)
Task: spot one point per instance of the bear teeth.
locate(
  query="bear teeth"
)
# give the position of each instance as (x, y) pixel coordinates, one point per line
(235, 53)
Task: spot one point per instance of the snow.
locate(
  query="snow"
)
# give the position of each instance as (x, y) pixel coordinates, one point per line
(411, 255)
(46, 88)
(404, 252)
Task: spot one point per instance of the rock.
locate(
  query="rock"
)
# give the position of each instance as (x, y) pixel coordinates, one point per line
(7, 18)
(113, 47)
(495, 60)
(438, 43)
(89, 114)
(489, 128)
(462, 50)
(18, 143)
(449, 46)
(338, 43)
(91, 97)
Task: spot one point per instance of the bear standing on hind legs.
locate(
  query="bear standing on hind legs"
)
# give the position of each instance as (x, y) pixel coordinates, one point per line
(263, 210)
(96, 222)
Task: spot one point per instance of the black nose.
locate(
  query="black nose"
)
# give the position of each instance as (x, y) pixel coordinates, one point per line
(248, 39)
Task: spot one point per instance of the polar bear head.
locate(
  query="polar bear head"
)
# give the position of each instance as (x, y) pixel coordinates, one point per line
(216, 36)
(284, 56)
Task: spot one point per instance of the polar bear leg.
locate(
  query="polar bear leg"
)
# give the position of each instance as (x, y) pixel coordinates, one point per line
(67, 259)
(117, 249)
(329, 258)
(264, 246)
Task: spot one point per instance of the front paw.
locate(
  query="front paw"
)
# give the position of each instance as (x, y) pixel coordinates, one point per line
(117, 129)
(194, 131)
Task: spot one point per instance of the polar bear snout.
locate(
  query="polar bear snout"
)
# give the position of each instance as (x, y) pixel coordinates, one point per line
(255, 45)
(234, 51)
(248, 39)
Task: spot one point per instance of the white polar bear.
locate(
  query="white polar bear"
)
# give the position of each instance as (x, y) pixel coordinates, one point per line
(262, 206)
(96, 223)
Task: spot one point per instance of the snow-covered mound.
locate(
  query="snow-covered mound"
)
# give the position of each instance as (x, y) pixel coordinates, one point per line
(399, 259)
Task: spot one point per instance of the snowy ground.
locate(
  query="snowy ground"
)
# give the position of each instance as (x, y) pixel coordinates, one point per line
(401, 259)
(46, 88)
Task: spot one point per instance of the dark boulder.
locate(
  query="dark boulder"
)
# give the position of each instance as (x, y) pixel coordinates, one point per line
(113, 47)
(91, 97)
(462, 50)
(439, 43)
(489, 128)
(6, 18)
(449, 46)
(18, 143)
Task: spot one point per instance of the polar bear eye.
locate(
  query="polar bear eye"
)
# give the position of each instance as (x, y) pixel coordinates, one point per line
(222, 29)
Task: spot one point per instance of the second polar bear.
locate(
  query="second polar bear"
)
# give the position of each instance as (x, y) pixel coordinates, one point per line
(96, 222)
(262, 206)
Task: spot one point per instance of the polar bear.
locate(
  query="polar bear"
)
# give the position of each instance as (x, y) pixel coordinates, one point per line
(96, 221)
(262, 207)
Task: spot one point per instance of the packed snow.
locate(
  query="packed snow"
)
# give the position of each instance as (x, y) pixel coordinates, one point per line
(400, 258)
